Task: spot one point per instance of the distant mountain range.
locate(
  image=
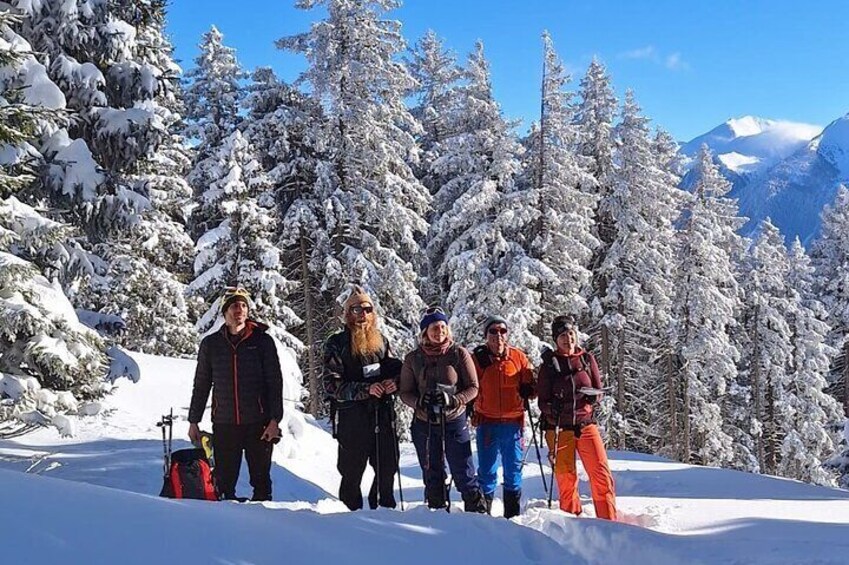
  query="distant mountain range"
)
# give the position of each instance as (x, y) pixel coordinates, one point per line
(782, 170)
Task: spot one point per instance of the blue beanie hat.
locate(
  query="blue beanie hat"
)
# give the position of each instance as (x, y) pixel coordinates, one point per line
(428, 319)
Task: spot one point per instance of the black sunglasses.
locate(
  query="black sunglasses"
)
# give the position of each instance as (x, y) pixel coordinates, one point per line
(362, 309)
(497, 331)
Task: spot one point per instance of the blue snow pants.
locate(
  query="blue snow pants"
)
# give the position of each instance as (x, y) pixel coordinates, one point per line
(505, 440)
(458, 453)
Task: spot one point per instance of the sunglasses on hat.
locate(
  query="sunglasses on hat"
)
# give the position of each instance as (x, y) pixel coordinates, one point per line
(432, 310)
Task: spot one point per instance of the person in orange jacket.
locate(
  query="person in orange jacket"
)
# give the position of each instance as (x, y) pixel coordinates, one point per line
(564, 405)
(506, 382)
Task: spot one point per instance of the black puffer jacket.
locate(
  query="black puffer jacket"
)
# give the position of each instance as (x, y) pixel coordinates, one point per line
(245, 378)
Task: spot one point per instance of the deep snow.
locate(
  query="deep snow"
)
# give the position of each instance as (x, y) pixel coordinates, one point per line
(92, 499)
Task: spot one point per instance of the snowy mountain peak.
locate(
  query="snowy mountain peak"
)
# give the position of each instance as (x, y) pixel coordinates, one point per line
(748, 125)
(751, 144)
(833, 145)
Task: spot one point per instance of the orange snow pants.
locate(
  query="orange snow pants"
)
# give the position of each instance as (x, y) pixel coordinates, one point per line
(594, 457)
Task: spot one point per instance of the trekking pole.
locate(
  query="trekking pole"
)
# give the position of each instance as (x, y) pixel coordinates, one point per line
(377, 449)
(536, 445)
(446, 484)
(394, 421)
(554, 459)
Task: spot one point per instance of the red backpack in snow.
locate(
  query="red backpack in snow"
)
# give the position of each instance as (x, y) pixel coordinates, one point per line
(188, 472)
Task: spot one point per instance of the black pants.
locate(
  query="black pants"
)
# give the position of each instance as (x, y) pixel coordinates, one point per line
(358, 445)
(228, 442)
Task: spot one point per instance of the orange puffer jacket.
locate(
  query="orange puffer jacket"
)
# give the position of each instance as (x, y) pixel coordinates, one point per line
(498, 398)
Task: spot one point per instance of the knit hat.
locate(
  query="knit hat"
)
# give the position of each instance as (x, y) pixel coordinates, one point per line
(358, 296)
(233, 294)
(562, 324)
(491, 321)
(432, 315)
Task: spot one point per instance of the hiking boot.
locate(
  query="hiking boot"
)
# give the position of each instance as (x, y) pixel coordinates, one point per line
(511, 503)
(488, 498)
(474, 501)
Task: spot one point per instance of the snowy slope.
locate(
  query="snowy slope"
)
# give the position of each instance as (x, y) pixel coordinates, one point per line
(59, 511)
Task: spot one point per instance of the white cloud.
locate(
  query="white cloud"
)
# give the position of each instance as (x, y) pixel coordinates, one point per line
(647, 52)
(672, 61)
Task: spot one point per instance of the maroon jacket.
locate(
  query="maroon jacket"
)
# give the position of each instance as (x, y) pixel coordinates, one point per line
(561, 376)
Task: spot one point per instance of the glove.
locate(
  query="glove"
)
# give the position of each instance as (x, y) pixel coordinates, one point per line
(526, 390)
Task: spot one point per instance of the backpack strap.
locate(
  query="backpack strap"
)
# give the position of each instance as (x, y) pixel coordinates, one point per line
(482, 356)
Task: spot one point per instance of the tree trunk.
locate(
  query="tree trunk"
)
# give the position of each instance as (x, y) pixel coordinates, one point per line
(756, 389)
(846, 378)
(313, 371)
(672, 388)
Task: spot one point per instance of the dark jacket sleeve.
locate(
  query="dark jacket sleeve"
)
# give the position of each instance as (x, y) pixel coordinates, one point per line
(544, 391)
(273, 378)
(526, 375)
(336, 388)
(202, 384)
(468, 377)
(390, 367)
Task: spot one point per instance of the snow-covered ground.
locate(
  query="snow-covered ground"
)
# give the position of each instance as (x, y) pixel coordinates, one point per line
(93, 499)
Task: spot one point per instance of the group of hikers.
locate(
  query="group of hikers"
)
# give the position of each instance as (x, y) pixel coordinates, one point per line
(449, 389)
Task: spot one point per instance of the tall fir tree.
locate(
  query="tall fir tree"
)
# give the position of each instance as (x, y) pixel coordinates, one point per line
(374, 208)
(811, 414)
(705, 307)
(595, 120)
(41, 338)
(563, 236)
(213, 98)
(483, 266)
(115, 170)
(283, 125)
(241, 251)
(638, 271)
(767, 303)
(830, 256)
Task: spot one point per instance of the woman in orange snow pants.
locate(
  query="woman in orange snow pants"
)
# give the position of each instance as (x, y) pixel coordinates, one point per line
(569, 385)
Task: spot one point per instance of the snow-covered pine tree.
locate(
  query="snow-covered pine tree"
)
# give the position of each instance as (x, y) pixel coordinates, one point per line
(483, 266)
(373, 206)
(42, 344)
(109, 170)
(594, 117)
(213, 97)
(767, 302)
(705, 306)
(282, 125)
(811, 414)
(240, 251)
(638, 271)
(438, 75)
(563, 236)
(830, 256)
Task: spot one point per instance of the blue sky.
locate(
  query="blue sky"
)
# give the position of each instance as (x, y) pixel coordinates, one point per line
(691, 64)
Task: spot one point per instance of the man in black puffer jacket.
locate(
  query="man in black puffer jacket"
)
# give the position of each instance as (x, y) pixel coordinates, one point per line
(239, 364)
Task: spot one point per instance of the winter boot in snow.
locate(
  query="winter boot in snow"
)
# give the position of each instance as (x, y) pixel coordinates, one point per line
(511, 503)
(474, 501)
(488, 498)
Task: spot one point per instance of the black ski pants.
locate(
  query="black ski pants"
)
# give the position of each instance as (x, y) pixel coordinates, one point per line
(229, 441)
(359, 444)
